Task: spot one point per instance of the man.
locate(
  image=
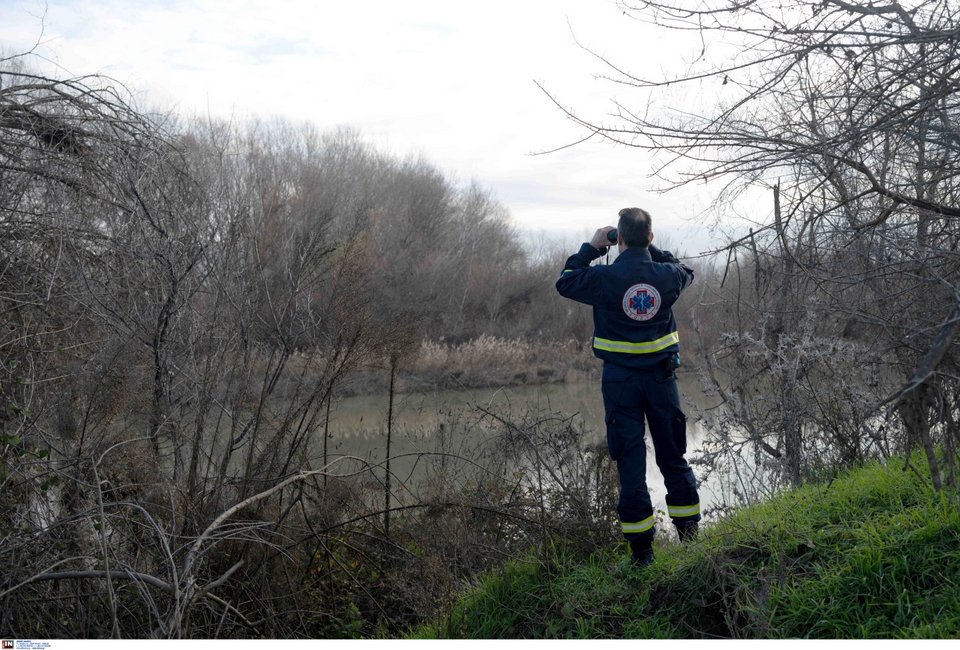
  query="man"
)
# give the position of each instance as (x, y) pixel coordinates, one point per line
(636, 336)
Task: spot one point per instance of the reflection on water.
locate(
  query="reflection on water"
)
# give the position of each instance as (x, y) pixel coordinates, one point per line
(358, 424)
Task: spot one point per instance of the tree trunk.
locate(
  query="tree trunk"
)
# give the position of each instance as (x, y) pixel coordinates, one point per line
(386, 482)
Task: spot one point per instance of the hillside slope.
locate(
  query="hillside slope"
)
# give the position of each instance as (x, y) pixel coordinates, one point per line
(873, 554)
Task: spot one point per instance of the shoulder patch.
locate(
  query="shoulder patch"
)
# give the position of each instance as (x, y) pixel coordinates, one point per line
(641, 302)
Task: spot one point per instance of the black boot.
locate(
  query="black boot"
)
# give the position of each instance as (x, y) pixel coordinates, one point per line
(641, 551)
(687, 532)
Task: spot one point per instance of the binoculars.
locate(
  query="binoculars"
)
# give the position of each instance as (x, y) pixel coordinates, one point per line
(612, 236)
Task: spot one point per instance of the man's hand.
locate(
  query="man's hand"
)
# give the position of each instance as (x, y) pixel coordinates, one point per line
(600, 241)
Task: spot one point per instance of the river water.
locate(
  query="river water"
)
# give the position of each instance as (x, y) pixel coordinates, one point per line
(358, 424)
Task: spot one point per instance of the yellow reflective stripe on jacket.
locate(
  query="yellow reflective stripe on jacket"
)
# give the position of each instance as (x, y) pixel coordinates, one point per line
(568, 271)
(637, 526)
(644, 347)
(683, 511)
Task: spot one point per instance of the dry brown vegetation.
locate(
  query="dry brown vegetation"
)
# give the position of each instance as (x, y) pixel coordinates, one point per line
(180, 302)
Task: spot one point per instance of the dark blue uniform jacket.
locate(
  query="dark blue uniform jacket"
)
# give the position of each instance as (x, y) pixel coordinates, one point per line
(632, 299)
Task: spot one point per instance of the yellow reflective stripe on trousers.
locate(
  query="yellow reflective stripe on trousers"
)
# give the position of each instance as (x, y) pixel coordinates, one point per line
(683, 511)
(644, 347)
(637, 526)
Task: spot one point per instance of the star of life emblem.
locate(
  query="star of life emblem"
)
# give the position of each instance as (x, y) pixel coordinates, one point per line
(641, 302)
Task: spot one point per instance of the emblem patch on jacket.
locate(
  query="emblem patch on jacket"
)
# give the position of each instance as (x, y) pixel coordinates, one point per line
(641, 302)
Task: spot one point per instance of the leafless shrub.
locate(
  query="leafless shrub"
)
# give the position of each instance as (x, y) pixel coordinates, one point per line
(845, 114)
(180, 305)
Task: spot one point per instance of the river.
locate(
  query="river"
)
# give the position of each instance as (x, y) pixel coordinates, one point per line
(358, 424)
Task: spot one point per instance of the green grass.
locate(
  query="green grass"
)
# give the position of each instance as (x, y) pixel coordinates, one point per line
(873, 554)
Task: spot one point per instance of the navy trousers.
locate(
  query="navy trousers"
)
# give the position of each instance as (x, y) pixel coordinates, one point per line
(629, 396)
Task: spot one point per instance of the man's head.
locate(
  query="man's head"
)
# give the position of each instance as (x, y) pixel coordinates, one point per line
(635, 228)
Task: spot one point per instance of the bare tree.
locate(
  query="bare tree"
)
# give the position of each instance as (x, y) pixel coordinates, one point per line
(846, 113)
(181, 304)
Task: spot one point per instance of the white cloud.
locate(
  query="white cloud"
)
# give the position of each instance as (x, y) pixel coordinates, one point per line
(453, 81)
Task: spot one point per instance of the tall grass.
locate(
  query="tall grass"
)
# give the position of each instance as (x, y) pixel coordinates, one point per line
(873, 554)
(493, 361)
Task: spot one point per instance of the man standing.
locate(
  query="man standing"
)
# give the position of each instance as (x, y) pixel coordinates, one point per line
(636, 336)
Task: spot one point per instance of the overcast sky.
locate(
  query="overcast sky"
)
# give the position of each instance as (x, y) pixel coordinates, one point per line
(453, 81)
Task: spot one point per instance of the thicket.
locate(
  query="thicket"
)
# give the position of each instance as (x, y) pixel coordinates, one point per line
(833, 127)
(180, 302)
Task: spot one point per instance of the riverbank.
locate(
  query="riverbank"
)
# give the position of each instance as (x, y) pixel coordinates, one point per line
(483, 362)
(874, 553)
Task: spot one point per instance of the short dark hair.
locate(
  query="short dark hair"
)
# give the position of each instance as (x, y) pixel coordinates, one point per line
(634, 226)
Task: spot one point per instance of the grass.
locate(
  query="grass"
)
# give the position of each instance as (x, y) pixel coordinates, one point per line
(872, 554)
